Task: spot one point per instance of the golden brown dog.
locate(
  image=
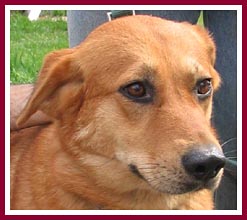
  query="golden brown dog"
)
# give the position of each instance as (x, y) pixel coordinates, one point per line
(131, 108)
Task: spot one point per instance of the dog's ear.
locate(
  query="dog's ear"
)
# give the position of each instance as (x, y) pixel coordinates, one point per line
(58, 84)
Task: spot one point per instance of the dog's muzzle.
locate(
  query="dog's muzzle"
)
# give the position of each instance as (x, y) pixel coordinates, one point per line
(200, 165)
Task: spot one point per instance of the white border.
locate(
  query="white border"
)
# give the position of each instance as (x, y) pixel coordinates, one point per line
(123, 7)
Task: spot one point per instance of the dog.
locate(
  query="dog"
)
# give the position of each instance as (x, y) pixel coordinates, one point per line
(131, 109)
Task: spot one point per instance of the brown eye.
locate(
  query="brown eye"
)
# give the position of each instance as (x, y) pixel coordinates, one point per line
(204, 88)
(139, 91)
(136, 90)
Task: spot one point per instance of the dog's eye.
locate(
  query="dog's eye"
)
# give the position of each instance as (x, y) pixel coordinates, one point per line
(204, 88)
(138, 91)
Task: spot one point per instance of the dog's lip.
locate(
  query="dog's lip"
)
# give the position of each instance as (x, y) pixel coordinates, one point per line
(185, 187)
(198, 185)
(133, 168)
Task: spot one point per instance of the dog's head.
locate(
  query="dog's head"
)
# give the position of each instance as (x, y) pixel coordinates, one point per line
(138, 90)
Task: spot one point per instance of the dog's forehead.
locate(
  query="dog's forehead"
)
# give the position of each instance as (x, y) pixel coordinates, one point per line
(142, 27)
(136, 41)
(146, 35)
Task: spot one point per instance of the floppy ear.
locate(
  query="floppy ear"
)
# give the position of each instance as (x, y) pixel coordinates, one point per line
(58, 84)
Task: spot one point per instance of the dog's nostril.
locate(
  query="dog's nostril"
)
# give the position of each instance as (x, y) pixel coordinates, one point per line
(203, 165)
(208, 168)
(200, 169)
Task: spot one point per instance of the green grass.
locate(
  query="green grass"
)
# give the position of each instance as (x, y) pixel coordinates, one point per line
(30, 41)
(53, 13)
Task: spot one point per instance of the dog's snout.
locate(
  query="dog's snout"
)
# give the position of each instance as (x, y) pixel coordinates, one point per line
(204, 164)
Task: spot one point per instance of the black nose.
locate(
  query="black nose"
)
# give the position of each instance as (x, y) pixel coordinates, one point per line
(204, 164)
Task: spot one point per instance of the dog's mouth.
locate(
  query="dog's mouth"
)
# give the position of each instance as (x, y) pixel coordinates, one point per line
(176, 186)
(133, 168)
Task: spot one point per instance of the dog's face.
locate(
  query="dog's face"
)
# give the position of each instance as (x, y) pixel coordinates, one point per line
(139, 91)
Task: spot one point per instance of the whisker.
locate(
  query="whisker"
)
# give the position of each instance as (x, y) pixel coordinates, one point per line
(231, 151)
(153, 179)
(230, 158)
(228, 141)
(148, 159)
(108, 161)
(146, 168)
(147, 172)
(156, 164)
(230, 171)
(105, 163)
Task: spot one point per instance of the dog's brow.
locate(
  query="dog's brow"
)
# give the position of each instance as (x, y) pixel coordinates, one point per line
(196, 69)
(147, 72)
(138, 72)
